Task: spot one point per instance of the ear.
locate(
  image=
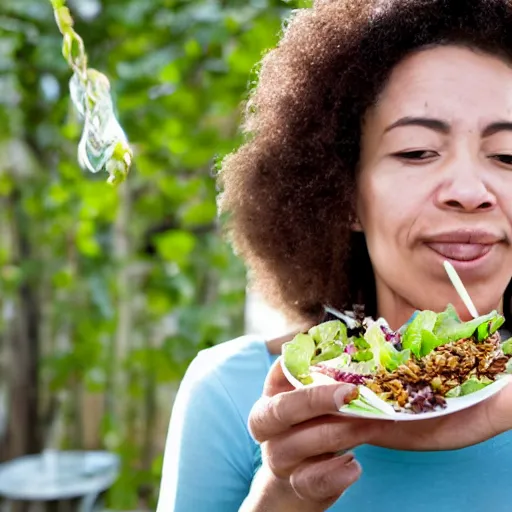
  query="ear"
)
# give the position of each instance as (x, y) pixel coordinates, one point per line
(355, 225)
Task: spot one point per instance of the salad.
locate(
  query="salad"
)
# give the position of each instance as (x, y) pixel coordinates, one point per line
(432, 358)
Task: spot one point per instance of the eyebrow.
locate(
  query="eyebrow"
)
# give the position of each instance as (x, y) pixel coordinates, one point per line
(426, 122)
(500, 126)
(443, 127)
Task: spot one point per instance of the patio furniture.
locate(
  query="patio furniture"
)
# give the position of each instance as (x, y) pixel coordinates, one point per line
(57, 481)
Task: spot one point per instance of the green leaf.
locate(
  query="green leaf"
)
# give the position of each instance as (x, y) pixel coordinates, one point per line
(345, 363)
(198, 214)
(412, 338)
(474, 384)
(175, 246)
(451, 329)
(341, 361)
(506, 346)
(360, 343)
(330, 338)
(449, 315)
(429, 342)
(471, 385)
(454, 392)
(362, 356)
(486, 330)
(297, 357)
(359, 405)
(329, 331)
(326, 351)
(385, 354)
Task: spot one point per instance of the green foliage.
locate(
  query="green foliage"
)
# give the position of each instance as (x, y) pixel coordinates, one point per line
(130, 282)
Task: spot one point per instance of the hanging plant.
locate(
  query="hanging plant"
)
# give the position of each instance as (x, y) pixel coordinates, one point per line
(103, 145)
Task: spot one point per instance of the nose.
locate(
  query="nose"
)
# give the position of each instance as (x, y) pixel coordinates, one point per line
(464, 190)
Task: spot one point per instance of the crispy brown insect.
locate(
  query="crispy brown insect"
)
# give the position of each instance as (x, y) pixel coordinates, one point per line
(445, 368)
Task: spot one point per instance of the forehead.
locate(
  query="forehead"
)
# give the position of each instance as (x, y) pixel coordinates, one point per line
(455, 83)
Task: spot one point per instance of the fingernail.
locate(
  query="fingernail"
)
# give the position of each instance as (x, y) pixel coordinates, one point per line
(344, 395)
(349, 460)
(347, 456)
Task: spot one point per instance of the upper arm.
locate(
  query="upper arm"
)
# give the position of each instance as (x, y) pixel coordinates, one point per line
(208, 456)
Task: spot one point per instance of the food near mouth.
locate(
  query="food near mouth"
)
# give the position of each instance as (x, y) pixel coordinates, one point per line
(432, 358)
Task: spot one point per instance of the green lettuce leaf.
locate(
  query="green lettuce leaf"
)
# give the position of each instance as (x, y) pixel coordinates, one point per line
(384, 353)
(344, 362)
(449, 327)
(330, 338)
(453, 393)
(470, 386)
(362, 355)
(489, 328)
(340, 361)
(359, 342)
(429, 342)
(424, 321)
(368, 401)
(360, 405)
(506, 346)
(447, 316)
(362, 368)
(363, 352)
(474, 384)
(326, 351)
(297, 356)
(335, 330)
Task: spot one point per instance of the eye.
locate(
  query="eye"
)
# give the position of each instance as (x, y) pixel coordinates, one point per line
(504, 159)
(417, 155)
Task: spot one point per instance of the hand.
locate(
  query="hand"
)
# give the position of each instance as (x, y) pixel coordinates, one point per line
(465, 428)
(300, 437)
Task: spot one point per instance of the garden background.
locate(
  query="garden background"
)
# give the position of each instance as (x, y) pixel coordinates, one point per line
(107, 294)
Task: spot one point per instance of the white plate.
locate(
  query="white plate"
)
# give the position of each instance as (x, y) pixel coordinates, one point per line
(452, 404)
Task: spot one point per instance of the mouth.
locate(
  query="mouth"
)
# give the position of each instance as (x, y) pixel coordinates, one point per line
(464, 247)
(461, 252)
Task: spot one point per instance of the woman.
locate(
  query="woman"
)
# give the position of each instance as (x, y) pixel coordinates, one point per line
(380, 145)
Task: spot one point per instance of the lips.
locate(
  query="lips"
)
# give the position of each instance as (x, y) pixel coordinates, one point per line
(460, 251)
(464, 245)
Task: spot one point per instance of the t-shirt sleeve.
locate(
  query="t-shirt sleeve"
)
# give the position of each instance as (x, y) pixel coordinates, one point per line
(208, 461)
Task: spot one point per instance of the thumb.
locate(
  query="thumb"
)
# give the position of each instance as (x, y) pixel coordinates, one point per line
(276, 381)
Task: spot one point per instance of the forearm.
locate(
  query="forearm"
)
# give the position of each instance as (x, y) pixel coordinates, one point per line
(268, 494)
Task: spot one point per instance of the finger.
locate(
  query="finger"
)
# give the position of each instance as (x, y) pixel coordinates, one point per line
(276, 382)
(325, 480)
(285, 452)
(272, 416)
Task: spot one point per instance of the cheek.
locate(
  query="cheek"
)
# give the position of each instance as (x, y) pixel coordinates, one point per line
(504, 196)
(388, 206)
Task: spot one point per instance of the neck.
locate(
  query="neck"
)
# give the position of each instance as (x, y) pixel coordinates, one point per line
(395, 310)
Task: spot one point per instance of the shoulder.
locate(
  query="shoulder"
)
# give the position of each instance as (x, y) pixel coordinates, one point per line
(210, 456)
(238, 367)
(248, 350)
(240, 355)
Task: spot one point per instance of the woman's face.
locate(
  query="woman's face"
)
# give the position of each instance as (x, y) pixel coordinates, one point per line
(435, 182)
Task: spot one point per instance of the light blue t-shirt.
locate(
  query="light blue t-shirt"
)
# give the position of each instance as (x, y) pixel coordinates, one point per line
(210, 457)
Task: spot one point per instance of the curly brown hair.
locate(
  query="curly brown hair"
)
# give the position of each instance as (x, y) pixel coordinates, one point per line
(289, 190)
